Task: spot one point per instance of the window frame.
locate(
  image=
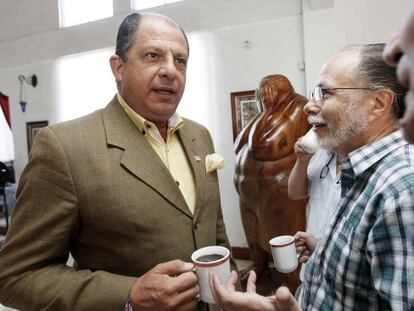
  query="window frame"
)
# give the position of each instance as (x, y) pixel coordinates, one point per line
(62, 22)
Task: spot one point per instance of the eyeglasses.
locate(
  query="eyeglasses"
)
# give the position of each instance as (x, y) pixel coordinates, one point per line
(325, 169)
(319, 92)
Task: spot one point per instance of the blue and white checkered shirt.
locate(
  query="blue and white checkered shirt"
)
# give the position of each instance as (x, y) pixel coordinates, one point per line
(365, 260)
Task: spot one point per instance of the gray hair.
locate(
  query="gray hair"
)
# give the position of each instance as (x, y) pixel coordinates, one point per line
(380, 75)
(128, 30)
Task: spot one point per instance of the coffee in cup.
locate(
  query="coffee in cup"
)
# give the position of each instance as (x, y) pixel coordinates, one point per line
(211, 259)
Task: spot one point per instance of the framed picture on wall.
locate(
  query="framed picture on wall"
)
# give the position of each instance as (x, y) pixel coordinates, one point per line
(243, 108)
(31, 130)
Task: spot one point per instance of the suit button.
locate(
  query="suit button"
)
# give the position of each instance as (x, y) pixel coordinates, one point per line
(195, 226)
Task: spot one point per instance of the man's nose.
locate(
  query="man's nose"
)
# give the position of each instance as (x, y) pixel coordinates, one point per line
(393, 52)
(312, 107)
(403, 71)
(168, 68)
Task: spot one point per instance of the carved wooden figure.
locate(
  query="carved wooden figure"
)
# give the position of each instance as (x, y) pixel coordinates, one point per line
(264, 159)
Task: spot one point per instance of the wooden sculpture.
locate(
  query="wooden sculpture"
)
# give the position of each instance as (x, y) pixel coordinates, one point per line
(264, 159)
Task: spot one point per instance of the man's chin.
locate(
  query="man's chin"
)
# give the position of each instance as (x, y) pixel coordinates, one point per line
(326, 143)
(407, 125)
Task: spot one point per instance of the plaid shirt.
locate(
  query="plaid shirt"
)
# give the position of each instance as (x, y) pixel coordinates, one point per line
(365, 260)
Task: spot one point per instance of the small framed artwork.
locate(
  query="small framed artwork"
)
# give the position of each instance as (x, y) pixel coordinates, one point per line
(31, 130)
(244, 107)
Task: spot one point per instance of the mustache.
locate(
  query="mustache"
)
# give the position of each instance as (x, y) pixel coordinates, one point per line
(315, 119)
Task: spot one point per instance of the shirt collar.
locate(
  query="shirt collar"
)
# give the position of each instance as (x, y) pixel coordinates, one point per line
(366, 156)
(175, 122)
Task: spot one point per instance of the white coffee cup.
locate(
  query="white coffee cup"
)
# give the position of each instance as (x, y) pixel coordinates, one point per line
(211, 259)
(309, 142)
(284, 253)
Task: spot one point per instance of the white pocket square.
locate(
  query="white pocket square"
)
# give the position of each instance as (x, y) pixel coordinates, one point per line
(214, 162)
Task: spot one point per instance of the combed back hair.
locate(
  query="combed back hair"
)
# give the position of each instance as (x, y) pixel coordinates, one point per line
(126, 34)
(128, 30)
(373, 69)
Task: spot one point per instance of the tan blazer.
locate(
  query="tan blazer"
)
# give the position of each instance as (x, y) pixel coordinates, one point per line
(95, 187)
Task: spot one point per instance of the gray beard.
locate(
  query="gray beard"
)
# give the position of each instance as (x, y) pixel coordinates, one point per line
(351, 125)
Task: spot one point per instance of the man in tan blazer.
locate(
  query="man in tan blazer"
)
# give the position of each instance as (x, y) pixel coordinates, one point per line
(124, 190)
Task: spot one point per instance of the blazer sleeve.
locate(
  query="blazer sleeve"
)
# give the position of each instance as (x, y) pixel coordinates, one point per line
(34, 274)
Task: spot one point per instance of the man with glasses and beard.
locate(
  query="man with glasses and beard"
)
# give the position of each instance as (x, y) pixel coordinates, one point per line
(365, 260)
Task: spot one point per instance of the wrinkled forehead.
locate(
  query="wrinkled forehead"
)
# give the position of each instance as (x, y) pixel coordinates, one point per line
(341, 70)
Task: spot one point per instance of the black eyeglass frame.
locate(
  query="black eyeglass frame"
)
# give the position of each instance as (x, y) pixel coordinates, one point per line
(319, 92)
(325, 169)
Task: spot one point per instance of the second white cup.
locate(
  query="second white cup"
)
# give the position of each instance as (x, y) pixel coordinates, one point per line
(211, 259)
(284, 253)
(309, 142)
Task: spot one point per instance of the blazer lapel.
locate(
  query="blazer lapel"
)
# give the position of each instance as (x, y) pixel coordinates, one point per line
(139, 157)
(196, 158)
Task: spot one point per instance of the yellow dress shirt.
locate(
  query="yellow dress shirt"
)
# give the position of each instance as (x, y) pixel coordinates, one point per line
(171, 151)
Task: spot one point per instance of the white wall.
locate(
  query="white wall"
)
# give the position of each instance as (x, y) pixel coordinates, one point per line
(40, 103)
(347, 22)
(31, 42)
(61, 93)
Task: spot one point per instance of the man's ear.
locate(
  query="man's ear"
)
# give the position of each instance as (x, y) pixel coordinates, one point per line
(117, 65)
(383, 101)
